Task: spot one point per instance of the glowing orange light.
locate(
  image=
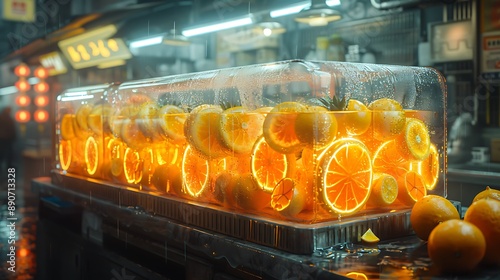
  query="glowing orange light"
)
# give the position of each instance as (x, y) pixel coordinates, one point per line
(22, 70)
(23, 252)
(22, 85)
(41, 100)
(23, 100)
(41, 115)
(41, 73)
(41, 87)
(23, 116)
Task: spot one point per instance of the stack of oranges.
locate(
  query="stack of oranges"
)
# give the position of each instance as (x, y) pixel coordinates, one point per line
(459, 245)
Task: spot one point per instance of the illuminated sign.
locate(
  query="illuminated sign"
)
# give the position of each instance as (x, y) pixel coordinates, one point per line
(53, 63)
(94, 48)
(19, 10)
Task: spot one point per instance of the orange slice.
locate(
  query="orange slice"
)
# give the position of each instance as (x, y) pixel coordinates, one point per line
(415, 141)
(388, 159)
(269, 166)
(344, 176)
(81, 116)
(132, 135)
(65, 154)
(167, 178)
(202, 130)
(223, 189)
(384, 190)
(357, 119)
(148, 166)
(411, 188)
(316, 126)
(97, 118)
(132, 166)
(171, 122)
(147, 119)
(288, 198)
(429, 168)
(240, 128)
(117, 117)
(388, 118)
(279, 127)
(195, 171)
(66, 129)
(167, 153)
(369, 237)
(92, 157)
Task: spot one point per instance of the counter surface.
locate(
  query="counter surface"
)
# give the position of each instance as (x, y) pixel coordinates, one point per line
(403, 258)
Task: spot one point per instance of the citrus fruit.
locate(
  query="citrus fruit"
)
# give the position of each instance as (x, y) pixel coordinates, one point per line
(487, 193)
(97, 118)
(148, 166)
(147, 119)
(93, 155)
(357, 119)
(65, 154)
(384, 190)
(388, 118)
(167, 153)
(411, 188)
(456, 246)
(430, 211)
(269, 166)
(167, 178)
(117, 171)
(414, 141)
(223, 189)
(485, 214)
(429, 168)
(171, 121)
(132, 135)
(248, 195)
(344, 176)
(316, 126)
(279, 127)
(195, 171)
(80, 132)
(356, 275)
(132, 166)
(66, 129)
(369, 237)
(81, 116)
(288, 198)
(202, 129)
(387, 159)
(117, 117)
(240, 128)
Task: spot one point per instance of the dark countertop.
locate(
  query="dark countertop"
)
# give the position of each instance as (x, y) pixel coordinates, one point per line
(402, 258)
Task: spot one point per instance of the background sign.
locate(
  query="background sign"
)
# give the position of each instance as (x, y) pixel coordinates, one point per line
(19, 10)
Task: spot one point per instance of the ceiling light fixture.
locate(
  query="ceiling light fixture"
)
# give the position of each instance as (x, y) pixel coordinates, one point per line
(269, 28)
(146, 42)
(217, 26)
(318, 14)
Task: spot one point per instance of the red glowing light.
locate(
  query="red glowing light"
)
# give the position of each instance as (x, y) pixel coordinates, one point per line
(41, 100)
(22, 85)
(22, 70)
(23, 116)
(41, 115)
(41, 73)
(23, 252)
(23, 100)
(41, 87)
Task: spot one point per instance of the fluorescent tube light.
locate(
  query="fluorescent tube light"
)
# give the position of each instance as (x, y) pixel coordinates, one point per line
(290, 10)
(332, 3)
(146, 42)
(73, 98)
(216, 27)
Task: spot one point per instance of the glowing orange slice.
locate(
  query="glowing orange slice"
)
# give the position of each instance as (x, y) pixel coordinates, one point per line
(269, 166)
(91, 155)
(65, 152)
(132, 166)
(195, 171)
(345, 176)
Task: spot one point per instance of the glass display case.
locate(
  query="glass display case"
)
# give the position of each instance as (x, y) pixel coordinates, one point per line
(305, 144)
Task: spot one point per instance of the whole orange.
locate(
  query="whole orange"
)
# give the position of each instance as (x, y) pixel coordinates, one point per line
(488, 192)
(485, 214)
(430, 211)
(456, 246)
